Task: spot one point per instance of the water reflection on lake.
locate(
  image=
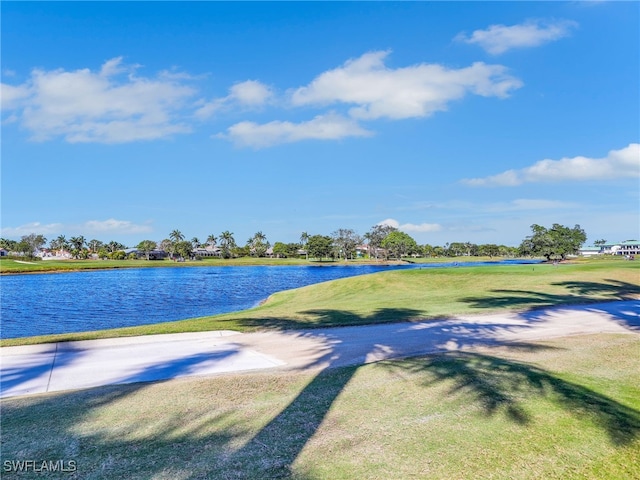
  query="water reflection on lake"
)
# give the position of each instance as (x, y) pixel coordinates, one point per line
(41, 304)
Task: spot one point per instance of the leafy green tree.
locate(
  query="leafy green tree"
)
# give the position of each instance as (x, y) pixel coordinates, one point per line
(428, 250)
(554, 243)
(103, 253)
(166, 245)
(471, 249)
(146, 247)
(399, 244)
(319, 246)
(9, 245)
(489, 250)
(33, 241)
(280, 250)
(24, 248)
(286, 250)
(114, 246)
(183, 249)
(293, 250)
(117, 255)
(94, 245)
(238, 251)
(345, 241)
(456, 249)
(375, 236)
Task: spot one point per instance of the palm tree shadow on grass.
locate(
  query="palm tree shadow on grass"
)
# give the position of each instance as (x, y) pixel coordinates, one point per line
(584, 294)
(323, 318)
(271, 451)
(501, 385)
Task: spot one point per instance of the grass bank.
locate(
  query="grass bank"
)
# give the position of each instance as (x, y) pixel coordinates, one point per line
(11, 266)
(410, 295)
(563, 409)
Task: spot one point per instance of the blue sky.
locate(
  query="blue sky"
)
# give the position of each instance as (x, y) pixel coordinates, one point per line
(453, 121)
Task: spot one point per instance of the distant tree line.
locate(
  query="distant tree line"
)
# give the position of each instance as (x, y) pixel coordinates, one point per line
(382, 242)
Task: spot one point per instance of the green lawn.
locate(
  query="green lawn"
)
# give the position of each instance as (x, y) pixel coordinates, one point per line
(11, 265)
(411, 295)
(562, 409)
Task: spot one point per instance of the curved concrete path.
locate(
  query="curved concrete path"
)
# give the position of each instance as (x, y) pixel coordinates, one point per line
(73, 365)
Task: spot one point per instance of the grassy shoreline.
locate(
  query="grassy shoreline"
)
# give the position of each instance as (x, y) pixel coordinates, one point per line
(406, 295)
(10, 266)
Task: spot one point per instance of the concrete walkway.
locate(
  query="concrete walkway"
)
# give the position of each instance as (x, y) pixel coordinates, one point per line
(73, 365)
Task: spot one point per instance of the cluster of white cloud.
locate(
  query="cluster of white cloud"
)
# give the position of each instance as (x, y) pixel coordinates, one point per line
(86, 106)
(414, 91)
(250, 94)
(412, 227)
(323, 127)
(116, 105)
(375, 91)
(623, 163)
(110, 226)
(498, 39)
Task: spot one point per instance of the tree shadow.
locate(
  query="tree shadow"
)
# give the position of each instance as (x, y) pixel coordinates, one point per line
(324, 318)
(41, 371)
(612, 298)
(237, 450)
(500, 385)
(22, 378)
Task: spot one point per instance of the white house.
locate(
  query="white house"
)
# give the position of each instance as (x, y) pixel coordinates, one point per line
(628, 247)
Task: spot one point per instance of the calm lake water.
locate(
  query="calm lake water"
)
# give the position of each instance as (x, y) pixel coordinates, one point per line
(42, 304)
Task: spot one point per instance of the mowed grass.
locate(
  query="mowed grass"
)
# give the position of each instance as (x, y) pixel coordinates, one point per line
(410, 295)
(14, 266)
(561, 409)
(10, 266)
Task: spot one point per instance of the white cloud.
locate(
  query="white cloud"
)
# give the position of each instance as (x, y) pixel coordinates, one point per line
(539, 204)
(110, 226)
(248, 94)
(105, 107)
(114, 226)
(412, 227)
(623, 163)
(498, 39)
(415, 91)
(29, 228)
(12, 96)
(322, 127)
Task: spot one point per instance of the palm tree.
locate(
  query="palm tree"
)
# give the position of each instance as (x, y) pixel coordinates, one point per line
(114, 246)
(227, 242)
(77, 243)
(176, 236)
(211, 240)
(257, 244)
(304, 238)
(95, 245)
(195, 242)
(59, 243)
